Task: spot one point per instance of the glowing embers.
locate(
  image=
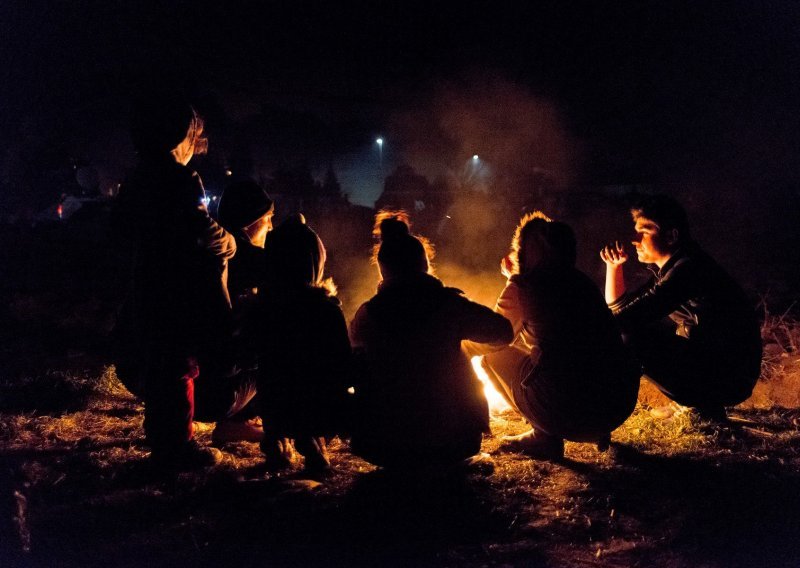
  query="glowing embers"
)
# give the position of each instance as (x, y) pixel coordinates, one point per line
(497, 404)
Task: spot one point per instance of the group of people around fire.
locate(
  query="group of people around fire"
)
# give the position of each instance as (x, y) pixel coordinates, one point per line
(228, 320)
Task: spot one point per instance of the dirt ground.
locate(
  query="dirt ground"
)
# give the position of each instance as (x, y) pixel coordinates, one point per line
(77, 491)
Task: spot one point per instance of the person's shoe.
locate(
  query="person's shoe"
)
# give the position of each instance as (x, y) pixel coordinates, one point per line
(536, 445)
(713, 414)
(667, 411)
(278, 453)
(603, 443)
(237, 431)
(481, 464)
(315, 450)
(185, 457)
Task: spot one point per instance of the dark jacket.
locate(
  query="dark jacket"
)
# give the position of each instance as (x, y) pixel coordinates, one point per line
(179, 254)
(708, 308)
(581, 366)
(245, 270)
(420, 391)
(304, 361)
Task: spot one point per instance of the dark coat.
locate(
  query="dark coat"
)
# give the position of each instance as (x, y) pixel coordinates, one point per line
(708, 308)
(304, 361)
(178, 291)
(420, 392)
(246, 269)
(583, 378)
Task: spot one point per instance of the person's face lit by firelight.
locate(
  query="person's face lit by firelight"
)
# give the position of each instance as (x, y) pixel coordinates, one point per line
(652, 245)
(257, 232)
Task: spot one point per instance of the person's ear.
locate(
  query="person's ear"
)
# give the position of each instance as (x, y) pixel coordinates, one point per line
(672, 236)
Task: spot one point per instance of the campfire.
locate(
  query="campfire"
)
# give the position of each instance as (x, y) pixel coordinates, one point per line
(497, 404)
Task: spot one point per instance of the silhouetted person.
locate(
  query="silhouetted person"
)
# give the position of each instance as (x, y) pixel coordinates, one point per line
(176, 323)
(304, 352)
(567, 372)
(691, 325)
(245, 210)
(420, 404)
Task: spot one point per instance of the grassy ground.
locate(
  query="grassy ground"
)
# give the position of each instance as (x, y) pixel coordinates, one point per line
(77, 491)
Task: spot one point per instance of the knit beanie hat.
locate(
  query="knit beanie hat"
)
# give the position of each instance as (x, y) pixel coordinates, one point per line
(242, 204)
(400, 252)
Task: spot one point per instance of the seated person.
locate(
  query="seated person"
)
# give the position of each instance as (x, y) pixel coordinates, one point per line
(300, 336)
(246, 212)
(567, 371)
(691, 326)
(419, 404)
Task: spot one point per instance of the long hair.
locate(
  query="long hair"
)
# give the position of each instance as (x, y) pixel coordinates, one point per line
(554, 241)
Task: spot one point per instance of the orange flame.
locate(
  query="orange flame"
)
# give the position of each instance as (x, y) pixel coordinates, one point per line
(497, 404)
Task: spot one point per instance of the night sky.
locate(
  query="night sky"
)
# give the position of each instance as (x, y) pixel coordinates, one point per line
(622, 92)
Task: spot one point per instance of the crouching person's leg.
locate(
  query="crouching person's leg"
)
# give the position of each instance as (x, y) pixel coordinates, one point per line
(681, 370)
(227, 397)
(315, 450)
(508, 369)
(169, 411)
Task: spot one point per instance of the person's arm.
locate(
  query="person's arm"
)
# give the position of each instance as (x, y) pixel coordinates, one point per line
(658, 298)
(508, 307)
(486, 330)
(210, 235)
(614, 257)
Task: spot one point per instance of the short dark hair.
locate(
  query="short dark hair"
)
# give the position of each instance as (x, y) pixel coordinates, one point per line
(665, 212)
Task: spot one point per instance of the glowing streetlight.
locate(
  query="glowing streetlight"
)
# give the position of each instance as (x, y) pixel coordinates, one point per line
(475, 157)
(379, 142)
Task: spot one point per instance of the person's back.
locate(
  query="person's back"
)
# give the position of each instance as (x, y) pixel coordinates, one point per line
(420, 403)
(580, 359)
(180, 255)
(420, 388)
(300, 335)
(305, 360)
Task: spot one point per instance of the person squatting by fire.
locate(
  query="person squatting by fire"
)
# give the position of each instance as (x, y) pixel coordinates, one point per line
(282, 350)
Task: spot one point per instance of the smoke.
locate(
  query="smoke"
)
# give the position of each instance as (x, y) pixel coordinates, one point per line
(516, 134)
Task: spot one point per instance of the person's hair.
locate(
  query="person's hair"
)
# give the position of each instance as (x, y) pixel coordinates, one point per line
(665, 212)
(161, 121)
(555, 240)
(399, 252)
(295, 257)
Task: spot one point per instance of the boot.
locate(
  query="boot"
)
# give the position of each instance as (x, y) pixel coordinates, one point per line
(537, 445)
(185, 457)
(315, 450)
(278, 453)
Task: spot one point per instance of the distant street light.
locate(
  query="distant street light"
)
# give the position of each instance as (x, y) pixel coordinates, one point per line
(379, 142)
(475, 158)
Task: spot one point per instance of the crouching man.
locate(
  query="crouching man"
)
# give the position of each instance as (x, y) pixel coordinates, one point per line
(691, 326)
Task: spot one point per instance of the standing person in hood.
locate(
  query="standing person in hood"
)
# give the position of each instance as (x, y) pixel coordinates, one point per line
(420, 404)
(691, 326)
(175, 328)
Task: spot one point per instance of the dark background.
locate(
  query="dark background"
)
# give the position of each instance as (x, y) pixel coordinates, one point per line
(572, 107)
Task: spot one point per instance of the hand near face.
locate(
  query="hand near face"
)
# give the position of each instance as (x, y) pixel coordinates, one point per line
(506, 266)
(614, 255)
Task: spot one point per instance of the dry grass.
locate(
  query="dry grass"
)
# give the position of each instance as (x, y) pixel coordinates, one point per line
(82, 494)
(77, 491)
